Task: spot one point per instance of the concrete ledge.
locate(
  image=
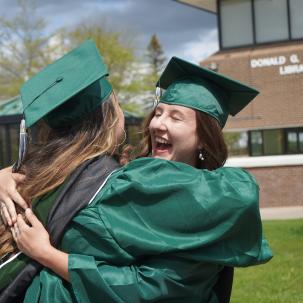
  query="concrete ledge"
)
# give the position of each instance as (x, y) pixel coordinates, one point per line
(282, 213)
(265, 161)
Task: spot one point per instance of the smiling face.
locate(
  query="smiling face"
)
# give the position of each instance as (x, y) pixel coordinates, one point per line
(173, 131)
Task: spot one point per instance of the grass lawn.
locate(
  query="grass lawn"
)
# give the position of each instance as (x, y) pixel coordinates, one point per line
(281, 279)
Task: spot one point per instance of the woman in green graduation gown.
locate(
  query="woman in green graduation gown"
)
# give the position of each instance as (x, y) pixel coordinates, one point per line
(159, 230)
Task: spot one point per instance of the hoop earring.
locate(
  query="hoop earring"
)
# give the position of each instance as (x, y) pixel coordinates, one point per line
(201, 157)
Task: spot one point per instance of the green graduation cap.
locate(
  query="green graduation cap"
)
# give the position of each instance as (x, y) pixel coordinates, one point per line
(199, 88)
(64, 92)
(68, 89)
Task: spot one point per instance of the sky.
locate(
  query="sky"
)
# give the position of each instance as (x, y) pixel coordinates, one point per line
(182, 30)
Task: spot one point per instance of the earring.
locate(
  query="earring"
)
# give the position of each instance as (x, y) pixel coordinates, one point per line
(201, 157)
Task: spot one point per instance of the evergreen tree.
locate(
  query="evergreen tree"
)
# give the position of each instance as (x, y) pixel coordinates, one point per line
(155, 55)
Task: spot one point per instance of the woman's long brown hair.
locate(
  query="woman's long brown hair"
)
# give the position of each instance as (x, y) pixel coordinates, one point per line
(210, 136)
(58, 152)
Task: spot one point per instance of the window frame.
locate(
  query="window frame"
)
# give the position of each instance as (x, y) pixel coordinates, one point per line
(255, 43)
(296, 130)
(285, 149)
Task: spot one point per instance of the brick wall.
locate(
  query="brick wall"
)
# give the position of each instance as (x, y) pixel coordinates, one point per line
(280, 186)
(280, 103)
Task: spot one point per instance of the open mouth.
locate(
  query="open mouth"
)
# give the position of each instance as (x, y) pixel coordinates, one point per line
(162, 144)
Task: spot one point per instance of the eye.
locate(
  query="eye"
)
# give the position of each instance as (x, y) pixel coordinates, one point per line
(157, 114)
(176, 118)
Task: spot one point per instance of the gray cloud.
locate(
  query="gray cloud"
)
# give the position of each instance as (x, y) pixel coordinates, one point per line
(175, 24)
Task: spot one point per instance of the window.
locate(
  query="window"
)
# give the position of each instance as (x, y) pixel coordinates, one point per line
(301, 141)
(2, 144)
(250, 22)
(256, 140)
(264, 142)
(271, 20)
(296, 20)
(237, 143)
(9, 142)
(14, 141)
(268, 142)
(236, 25)
(273, 141)
(291, 142)
(294, 141)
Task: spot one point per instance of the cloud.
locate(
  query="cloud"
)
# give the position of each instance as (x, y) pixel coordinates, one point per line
(202, 47)
(181, 29)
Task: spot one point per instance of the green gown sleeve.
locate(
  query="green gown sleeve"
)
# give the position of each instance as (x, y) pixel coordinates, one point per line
(171, 207)
(159, 280)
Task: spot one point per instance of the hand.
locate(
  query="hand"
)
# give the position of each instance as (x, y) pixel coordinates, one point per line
(9, 195)
(32, 239)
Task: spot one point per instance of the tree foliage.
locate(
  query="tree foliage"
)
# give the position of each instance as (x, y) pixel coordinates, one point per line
(155, 59)
(117, 56)
(25, 48)
(155, 55)
(22, 48)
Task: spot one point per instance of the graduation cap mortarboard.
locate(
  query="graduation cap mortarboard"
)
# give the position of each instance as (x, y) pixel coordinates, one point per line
(199, 88)
(68, 89)
(64, 92)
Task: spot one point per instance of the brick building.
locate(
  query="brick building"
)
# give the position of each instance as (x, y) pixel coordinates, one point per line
(261, 44)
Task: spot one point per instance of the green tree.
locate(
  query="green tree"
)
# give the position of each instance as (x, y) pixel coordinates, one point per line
(118, 56)
(155, 55)
(155, 59)
(22, 47)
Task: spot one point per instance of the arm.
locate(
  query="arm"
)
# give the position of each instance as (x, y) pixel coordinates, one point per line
(91, 278)
(212, 215)
(9, 195)
(166, 279)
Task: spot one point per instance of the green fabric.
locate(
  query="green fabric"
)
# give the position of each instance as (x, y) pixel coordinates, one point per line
(158, 231)
(77, 78)
(199, 88)
(41, 208)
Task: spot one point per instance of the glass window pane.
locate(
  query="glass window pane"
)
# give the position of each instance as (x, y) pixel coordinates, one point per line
(133, 134)
(273, 142)
(296, 20)
(14, 141)
(256, 143)
(236, 22)
(292, 146)
(301, 141)
(271, 20)
(2, 144)
(237, 143)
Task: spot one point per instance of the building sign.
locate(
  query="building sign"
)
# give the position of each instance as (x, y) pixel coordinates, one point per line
(287, 64)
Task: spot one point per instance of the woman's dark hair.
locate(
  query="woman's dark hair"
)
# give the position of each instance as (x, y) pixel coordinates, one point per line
(210, 134)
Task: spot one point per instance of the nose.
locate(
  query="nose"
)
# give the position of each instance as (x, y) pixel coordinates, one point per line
(159, 124)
